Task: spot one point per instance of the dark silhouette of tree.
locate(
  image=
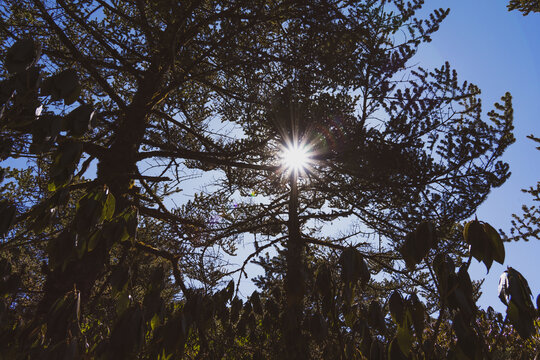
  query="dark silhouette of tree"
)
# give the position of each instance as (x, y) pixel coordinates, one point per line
(527, 225)
(525, 6)
(145, 94)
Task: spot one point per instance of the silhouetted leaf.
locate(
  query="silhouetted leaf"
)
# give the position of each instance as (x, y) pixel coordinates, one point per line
(78, 121)
(396, 307)
(496, 243)
(375, 316)
(376, 351)
(425, 239)
(323, 281)
(485, 243)
(466, 336)
(256, 302)
(353, 266)
(443, 266)
(60, 249)
(64, 85)
(394, 350)
(127, 333)
(94, 240)
(119, 278)
(514, 291)
(65, 161)
(473, 232)
(236, 306)
(418, 243)
(271, 308)
(407, 251)
(8, 213)
(418, 313)
(21, 55)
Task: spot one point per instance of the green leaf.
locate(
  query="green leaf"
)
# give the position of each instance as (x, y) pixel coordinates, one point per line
(108, 206)
(44, 133)
(154, 323)
(405, 337)
(131, 218)
(127, 334)
(71, 96)
(271, 308)
(465, 282)
(229, 290)
(122, 302)
(463, 294)
(26, 84)
(94, 240)
(93, 208)
(512, 311)
(68, 84)
(86, 214)
(395, 351)
(521, 319)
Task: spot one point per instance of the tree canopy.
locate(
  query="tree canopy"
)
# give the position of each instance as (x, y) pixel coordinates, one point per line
(118, 105)
(525, 6)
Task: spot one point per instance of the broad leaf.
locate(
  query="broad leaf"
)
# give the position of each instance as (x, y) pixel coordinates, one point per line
(23, 54)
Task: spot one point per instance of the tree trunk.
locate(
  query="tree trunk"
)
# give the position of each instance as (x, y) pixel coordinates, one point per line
(294, 283)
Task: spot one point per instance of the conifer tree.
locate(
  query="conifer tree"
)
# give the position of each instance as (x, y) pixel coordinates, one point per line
(148, 93)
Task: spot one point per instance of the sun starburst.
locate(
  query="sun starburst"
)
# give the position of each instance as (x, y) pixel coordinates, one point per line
(296, 158)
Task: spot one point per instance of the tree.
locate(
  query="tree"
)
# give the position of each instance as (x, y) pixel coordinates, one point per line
(135, 91)
(525, 6)
(527, 225)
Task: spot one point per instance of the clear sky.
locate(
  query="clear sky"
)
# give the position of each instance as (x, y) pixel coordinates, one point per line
(499, 51)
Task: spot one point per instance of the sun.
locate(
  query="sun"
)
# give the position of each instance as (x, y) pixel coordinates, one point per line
(296, 157)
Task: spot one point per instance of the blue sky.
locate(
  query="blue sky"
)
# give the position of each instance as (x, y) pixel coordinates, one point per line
(499, 51)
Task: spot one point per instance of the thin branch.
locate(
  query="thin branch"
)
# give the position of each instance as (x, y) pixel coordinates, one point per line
(77, 54)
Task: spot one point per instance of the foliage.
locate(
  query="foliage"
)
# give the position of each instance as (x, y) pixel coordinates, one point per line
(117, 103)
(527, 225)
(525, 6)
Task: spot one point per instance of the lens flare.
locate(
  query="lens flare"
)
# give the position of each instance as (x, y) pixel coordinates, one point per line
(296, 157)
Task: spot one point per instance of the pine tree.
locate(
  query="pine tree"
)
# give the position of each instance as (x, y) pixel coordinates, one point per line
(136, 91)
(525, 6)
